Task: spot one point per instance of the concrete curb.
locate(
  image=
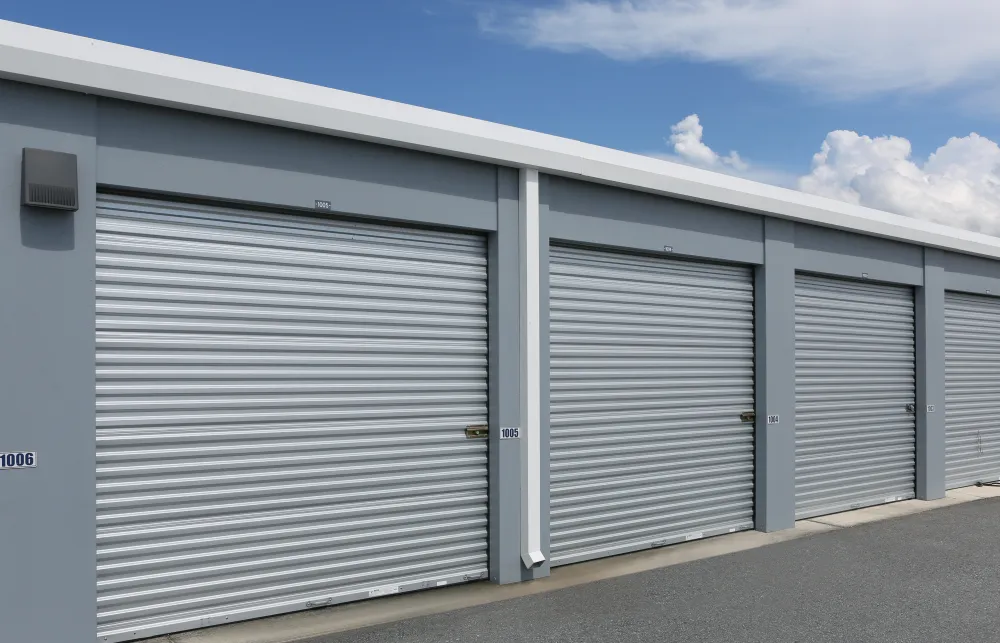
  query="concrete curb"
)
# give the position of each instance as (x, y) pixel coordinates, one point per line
(299, 626)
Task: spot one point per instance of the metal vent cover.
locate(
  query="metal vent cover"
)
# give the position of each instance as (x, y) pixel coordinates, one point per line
(51, 196)
(49, 180)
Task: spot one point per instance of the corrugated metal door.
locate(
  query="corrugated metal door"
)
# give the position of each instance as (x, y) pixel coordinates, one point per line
(972, 388)
(652, 363)
(854, 379)
(281, 413)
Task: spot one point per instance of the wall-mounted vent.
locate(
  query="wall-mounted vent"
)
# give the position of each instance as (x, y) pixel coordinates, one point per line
(49, 180)
(51, 196)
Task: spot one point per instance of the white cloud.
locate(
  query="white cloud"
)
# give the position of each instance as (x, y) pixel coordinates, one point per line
(840, 47)
(686, 138)
(688, 147)
(958, 185)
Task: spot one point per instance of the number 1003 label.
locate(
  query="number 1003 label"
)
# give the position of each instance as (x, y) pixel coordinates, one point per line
(18, 460)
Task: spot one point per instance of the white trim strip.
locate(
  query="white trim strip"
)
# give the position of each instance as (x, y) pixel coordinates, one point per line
(531, 488)
(56, 59)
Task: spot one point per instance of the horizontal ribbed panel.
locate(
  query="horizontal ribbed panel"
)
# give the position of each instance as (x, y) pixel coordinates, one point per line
(652, 362)
(281, 406)
(972, 388)
(854, 377)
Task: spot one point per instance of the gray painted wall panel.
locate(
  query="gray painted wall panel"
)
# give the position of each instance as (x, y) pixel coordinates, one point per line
(47, 376)
(930, 363)
(844, 254)
(594, 214)
(964, 273)
(505, 386)
(150, 148)
(775, 371)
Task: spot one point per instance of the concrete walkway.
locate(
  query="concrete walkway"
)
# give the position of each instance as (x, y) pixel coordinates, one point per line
(924, 576)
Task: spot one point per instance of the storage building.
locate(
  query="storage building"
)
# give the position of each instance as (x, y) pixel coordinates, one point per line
(266, 346)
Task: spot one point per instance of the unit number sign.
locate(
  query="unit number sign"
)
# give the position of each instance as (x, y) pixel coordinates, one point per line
(18, 460)
(773, 419)
(510, 432)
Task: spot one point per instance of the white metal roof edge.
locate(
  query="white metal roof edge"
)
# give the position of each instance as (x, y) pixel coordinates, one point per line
(55, 59)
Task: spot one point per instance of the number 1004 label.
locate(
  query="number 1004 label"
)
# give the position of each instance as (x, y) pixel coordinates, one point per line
(18, 460)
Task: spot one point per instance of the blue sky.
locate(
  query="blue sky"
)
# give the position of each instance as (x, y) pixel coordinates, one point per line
(548, 66)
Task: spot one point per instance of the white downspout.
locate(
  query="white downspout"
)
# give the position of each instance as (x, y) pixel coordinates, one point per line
(530, 359)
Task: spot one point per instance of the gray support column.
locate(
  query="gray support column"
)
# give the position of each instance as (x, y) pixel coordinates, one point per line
(506, 409)
(47, 397)
(505, 387)
(930, 379)
(775, 348)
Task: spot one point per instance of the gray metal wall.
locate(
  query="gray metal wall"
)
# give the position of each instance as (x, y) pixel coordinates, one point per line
(47, 321)
(47, 590)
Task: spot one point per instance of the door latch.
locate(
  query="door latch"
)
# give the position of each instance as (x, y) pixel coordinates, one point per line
(748, 416)
(911, 408)
(477, 431)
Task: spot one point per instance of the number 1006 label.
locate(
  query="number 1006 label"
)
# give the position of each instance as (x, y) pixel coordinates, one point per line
(18, 460)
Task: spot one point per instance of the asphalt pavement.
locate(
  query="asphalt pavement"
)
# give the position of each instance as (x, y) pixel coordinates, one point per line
(933, 576)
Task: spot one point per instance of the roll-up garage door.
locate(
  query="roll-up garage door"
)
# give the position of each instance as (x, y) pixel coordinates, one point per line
(972, 389)
(854, 391)
(281, 413)
(652, 364)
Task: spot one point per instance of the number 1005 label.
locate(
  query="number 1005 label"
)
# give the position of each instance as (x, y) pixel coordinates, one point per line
(510, 432)
(18, 460)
